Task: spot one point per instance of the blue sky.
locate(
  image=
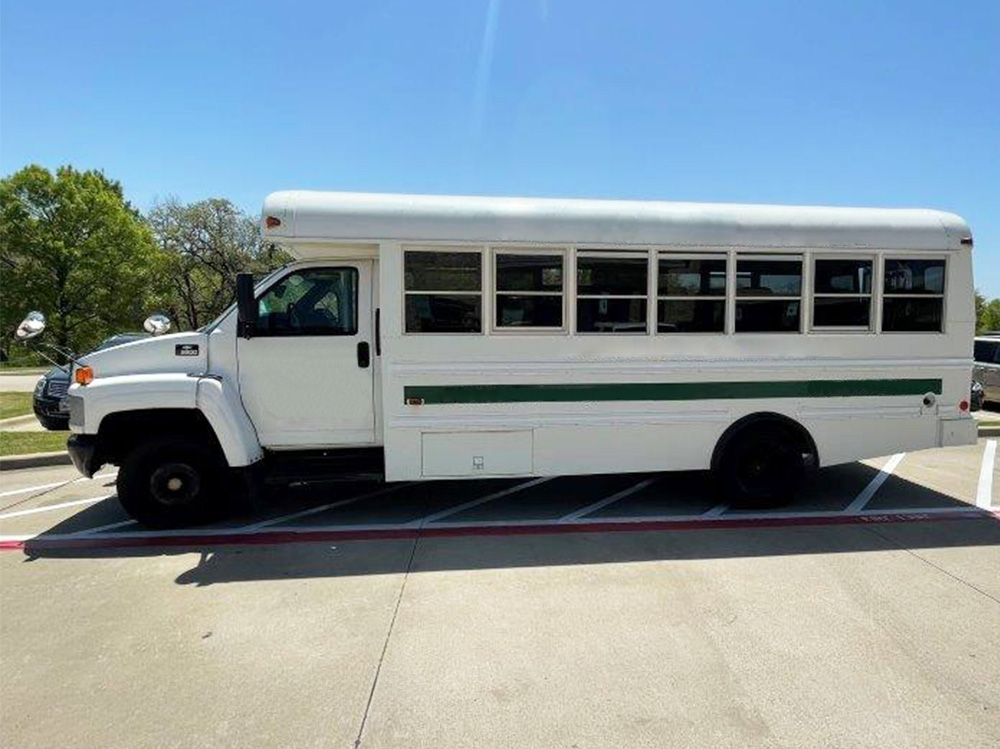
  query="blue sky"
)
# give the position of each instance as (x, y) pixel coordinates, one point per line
(842, 103)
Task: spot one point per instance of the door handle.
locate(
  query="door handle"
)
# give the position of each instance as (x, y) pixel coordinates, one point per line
(364, 355)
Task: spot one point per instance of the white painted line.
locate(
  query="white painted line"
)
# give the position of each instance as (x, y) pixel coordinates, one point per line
(873, 486)
(608, 500)
(716, 511)
(55, 507)
(40, 487)
(483, 500)
(102, 528)
(321, 508)
(984, 493)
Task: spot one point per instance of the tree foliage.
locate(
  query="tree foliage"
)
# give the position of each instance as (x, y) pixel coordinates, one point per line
(987, 314)
(72, 247)
(207, 244)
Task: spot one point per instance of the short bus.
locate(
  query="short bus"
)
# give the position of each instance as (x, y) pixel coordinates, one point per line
(436, 337)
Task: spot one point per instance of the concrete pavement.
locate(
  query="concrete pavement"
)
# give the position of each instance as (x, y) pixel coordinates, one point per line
(19, 383)
(877, 632)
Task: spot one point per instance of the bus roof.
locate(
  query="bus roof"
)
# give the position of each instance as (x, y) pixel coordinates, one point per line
(309, 217)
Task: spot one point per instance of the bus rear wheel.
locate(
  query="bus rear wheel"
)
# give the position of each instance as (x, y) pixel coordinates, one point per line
(761, 466)
(172, 482)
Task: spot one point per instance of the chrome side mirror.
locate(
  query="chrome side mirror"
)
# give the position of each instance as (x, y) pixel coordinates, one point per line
(31, 326)
(157, 324)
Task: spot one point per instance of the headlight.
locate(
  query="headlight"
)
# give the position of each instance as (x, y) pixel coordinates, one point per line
(40, 386)
(76, 411)
(976, 387)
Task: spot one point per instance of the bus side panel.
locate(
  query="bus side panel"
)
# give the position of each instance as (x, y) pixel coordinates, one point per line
(624, 448)
(843, 440)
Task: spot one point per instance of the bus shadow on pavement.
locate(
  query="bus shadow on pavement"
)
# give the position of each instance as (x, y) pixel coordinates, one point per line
(497, 547)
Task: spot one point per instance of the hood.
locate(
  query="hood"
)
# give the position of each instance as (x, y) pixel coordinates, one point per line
(184, 353)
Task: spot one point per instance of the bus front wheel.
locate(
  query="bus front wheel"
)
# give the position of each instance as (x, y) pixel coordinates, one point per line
(761, 466)
(171, 482)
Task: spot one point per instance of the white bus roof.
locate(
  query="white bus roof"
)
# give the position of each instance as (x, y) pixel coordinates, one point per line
(321, 217)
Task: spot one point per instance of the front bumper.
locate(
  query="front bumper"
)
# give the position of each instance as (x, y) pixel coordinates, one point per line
(84, 452)
(50, 408)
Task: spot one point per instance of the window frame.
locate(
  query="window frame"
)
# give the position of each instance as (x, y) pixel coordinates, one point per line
(483, 280)
(943, 296)
(724, 297)
(564, 293)
(813, 294)
(310, 332)
(648, 255)
(805, 277)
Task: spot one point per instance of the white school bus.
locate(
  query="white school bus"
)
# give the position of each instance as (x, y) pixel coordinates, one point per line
(433, 337)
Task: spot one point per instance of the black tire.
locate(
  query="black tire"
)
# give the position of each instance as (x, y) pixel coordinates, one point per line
(171, 482)
(761, 466)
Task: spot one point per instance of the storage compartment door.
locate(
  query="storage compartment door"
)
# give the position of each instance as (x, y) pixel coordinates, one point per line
(470, 454)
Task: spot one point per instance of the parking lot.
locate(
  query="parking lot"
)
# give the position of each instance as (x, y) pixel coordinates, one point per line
(633, 610)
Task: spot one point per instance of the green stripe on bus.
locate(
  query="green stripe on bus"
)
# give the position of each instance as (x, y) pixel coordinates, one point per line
(667, 391)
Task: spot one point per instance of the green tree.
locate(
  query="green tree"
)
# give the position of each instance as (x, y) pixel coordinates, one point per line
(72, 247)
(990, 319)
(208, 243)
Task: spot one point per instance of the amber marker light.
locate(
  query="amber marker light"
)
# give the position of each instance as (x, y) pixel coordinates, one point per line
(83, 375)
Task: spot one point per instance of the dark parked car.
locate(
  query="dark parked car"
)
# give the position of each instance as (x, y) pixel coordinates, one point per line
(986, 367)
(977, 397)
(50, 393)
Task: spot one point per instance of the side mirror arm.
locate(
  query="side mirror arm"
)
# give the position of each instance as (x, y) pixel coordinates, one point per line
(246, 306)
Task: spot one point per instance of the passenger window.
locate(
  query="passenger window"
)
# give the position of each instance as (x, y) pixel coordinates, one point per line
(768, 295)
(443, 291)
(529, 290)
(842, 293)
(314, 301)
(691, 295)
(611, 293)
(913, 295)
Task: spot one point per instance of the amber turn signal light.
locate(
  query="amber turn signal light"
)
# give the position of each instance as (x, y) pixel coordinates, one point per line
(83, 375)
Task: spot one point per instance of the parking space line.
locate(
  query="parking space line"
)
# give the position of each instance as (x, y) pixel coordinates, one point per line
(108, 527)
(868, 492)
(53, 485)
(482, 500)
(322, 508)
(59, 506)
(40, 487)
(716, 511)
(608, 500)
(984, 491)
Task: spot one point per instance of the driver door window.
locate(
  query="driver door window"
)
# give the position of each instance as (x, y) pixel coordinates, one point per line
(314, 301)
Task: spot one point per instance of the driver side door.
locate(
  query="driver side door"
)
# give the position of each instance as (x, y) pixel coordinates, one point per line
(306, 374)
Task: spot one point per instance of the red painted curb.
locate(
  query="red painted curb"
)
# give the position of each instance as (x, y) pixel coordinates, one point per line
(40, 543)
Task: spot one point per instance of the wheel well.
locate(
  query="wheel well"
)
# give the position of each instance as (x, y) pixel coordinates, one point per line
(764, 418)
(121, 432)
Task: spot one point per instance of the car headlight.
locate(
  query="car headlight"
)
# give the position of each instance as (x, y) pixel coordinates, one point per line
(977, 386)
(40, 386)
